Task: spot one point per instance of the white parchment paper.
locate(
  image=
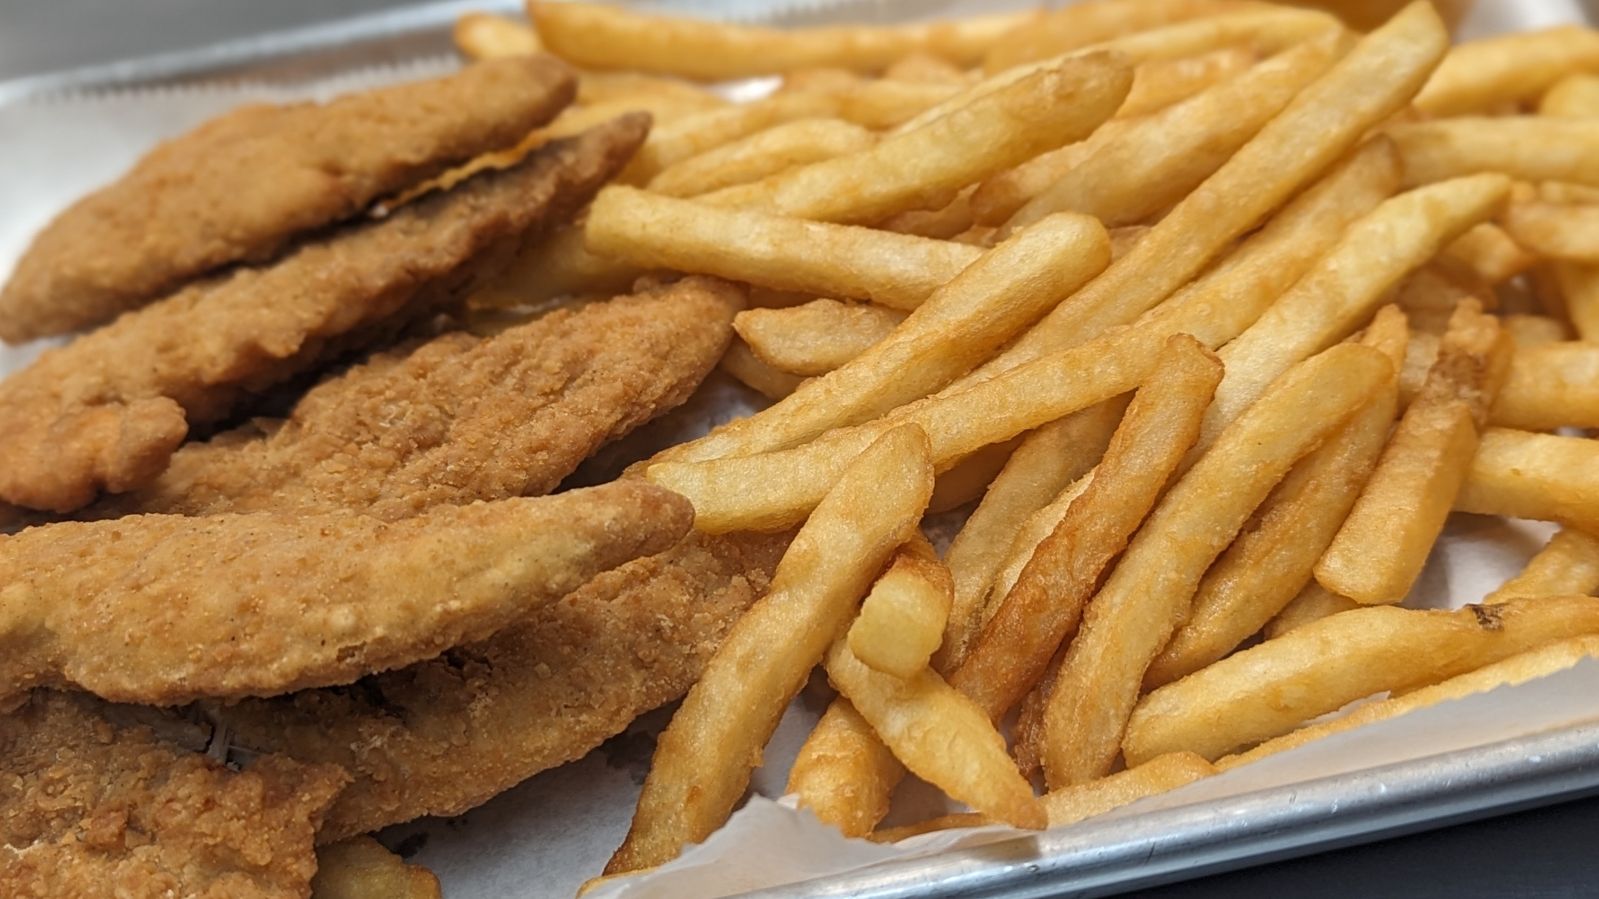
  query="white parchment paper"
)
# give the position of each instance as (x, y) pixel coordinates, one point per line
(549, 835)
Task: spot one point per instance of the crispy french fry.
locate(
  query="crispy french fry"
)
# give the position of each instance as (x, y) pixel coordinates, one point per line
(885, 104)
(946, 222)
(1336, 297)
(816, 337)
(843, 773)
(1312, 604)
(999, 197)
(966, 480)
(761, 154)
(1555, 230)
(1163, 157)
(1045, 605)
(1486, 74)
(940, 735)
(1147, 595)
(1517, 669)
(1033, 531)
(1084, 24)
(479, 35)
(360, 868)
(961, 324)
(552, 267)
(644, 230)
(1519, 474)
(1270, 689)
(755, 374)
(690, 136)
(1551, 385)
(607, 87)
(1430, 294)
(1270, 563)
(1530, 148)
(1368, 84)
(1575, 95)
(1533, 331)
(609, 37)
(1568, 564)
(925, 68)
(1489, 253)
(1159, 83)
(704, 757)
(1383, 544)
(902, 618)
(1579, 287)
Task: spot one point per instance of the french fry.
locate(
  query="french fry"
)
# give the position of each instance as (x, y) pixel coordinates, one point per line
(966, 480)
(1270, 689)
(755, 374)
(674, 142)
(1001, 196)
(961, 324)
(1430, 294)
(1575, 95)
(1084, 24)
(1519, 474)
(1367, 85)
(902, 618)
(1555, 230)
(1033, 531)
(1486, 74)
(641, 230)
(1533, 331)
(1312, 604)
(1159, 83)
(947, 222)
(1043, 608)
(885, 104)
(1147, 595)
(1517, 669)
(925, 68)
(480, 35)
(1529, 148)
(940, 735)
(608, 87)
(761, 154)
(1163, 157)
(1549, 386)
(360, 868)
(704, 757)
(1579, 288)
(608, 37)
(1568, 564)
(1383, 544)
(1271, 562)
(817, 337)
(844, 774)
(1489, 253)
(1344, 288)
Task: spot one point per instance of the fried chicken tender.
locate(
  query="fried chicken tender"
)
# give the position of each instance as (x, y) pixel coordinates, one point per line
(91, 808)
(462, 417)
(165, 609)
(239, 187)
(440, 737)
(107, 411)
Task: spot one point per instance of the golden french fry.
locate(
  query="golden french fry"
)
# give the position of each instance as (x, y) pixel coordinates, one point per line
(1519, 474)
(1033, 531)
(1430, 294)
(1383, 544)
(844, 774)
(925, 68)
(1530, 148)
(1147, 595)
(940, 735)
(1084, 24)
(479, 35)
(755, 374)
(902, 618)
(1367, 85)
(1043, 608)
(552, 267)
(644, 230)
(360, 868)
(999, 197)
(1271, 562)
(1486, 74)
(1312, 604)
(761, 154)
(966, 480)
(704, 757)
(1159, 83)
(608, 87)
(1533, 331)
(609, 37)
(1579, 287)
(1163, 157)
(960, 325)
(1489, 253)
(1568, 564)
(816, 337)
(1550, 385)
(1270, 689)
(947, 222)
(884, 104)
(1517, 669)
(1555, 230)
(1575, 95)
(689, 136)
(1336, 297)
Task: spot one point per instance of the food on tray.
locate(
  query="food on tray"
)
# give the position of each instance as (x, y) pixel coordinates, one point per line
(1201, 315)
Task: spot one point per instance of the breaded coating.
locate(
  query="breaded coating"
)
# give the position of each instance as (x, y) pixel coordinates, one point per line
(360, 868)
(462, 417)
(165, 609)
(106, 411)
(91, 808)
(445, 735)
(238, 188)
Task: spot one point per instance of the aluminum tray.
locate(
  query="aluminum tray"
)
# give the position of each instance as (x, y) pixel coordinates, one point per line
(1091, 859)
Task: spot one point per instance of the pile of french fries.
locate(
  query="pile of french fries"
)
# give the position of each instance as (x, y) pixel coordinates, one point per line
(1216, 309)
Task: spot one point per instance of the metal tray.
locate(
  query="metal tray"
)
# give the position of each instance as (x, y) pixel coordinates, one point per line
(1091, 859)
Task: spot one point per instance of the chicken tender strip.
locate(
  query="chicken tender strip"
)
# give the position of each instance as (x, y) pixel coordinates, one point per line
(107, 411)
(445, 735)
(165, 609)
(462, 417)
(240, 186)
(93, 808)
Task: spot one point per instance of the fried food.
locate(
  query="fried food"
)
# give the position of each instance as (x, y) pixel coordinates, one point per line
(442, 736)
(460, 418)
(166, 609)
(240, 187)
(93, 808)
(107, 411)
(360, 868)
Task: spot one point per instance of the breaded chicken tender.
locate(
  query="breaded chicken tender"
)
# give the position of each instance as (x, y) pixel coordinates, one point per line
(107, 411)
(239, 187)
(165, 609)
